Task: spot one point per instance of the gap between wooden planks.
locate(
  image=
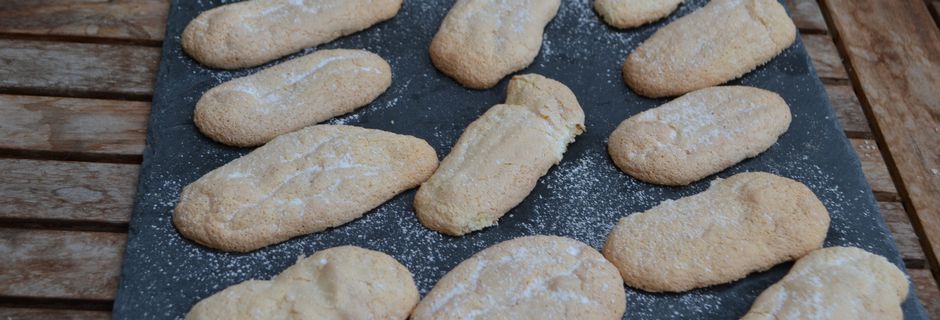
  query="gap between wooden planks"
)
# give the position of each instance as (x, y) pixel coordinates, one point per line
(935, 8)
(893, 49)
(51, 314)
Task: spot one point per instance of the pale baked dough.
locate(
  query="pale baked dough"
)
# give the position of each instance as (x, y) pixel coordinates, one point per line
(713, 45)
(536, 277)
(482, 41)
(835, 283)
(337, 283)
(634, 13)
(698, 134)
(299, 183)
(746, 223)
(500, 157)
(252, 110)
(250, 33)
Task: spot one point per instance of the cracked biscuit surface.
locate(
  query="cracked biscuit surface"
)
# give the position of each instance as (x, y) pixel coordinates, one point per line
(481, 41)
(250, 33)
(746, 223)
(835, 283)
(534, 277)
(699, 134)
(500, 157)
(338, 283)
(713, 45)
(252, 110)
(299, 183)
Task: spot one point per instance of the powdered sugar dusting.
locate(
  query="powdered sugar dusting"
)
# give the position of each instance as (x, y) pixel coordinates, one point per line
(530, 271)
(581, 198)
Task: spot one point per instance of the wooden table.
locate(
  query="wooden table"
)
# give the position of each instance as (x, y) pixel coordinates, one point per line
(76, 78)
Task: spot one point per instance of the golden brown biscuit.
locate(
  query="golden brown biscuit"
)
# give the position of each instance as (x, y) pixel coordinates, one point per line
(634, 13)
(713, 45)
(835, 283)
(482, 41)
(698, 134)
(500, 157)
(536, 277)
(250, 33)
(337, 283)
(252, 110)
(299, 183)
(746, 223)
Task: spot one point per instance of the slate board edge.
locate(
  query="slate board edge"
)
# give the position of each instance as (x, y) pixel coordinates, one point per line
(912, 298)
(159, 103)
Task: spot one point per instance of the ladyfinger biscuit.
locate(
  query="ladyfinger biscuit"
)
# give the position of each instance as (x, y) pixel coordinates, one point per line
(713, 45)
(747, 223)
(698, 134)
(299, 183)
(252, 110)
(482, 41)
(500, 157)
(634, 13)
(536, 277)
(250, 33)
(337, 283)
(835, 283)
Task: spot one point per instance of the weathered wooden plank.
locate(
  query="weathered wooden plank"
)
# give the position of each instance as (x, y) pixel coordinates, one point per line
(77, 69)
(60, 264)
(67, 191)
(849, 111)
(53, 2)
(895, 60)
(904, 235)
(807, 16)
(873, 165)
(927, 291)
(70, 125)
(51, 314)
(825, 56)
(136, 20)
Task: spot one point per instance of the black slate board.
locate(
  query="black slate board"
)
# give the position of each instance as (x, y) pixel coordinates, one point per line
(164, 275)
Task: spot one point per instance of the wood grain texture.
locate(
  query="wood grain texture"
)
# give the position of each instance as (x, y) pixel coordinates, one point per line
(895, 60)
(77, 69)
(51, 314)
(904, 236)
(875, 169)
(807, 16)
(926, 287)
(107, 128)
(137, 20)
(68, 191)
(825, 56)
(60, 264)
(849, 111)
